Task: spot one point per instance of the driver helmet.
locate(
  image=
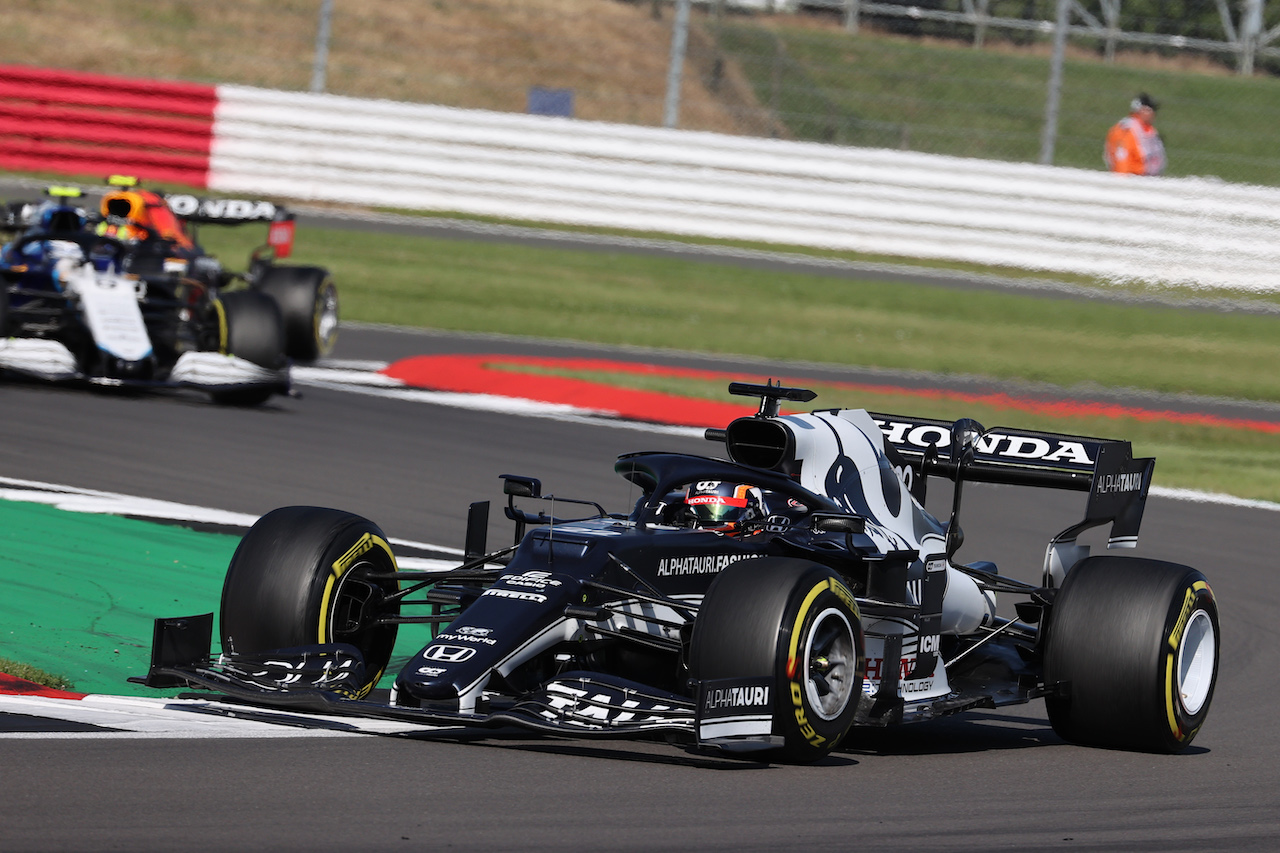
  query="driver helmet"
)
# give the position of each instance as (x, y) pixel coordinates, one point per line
(723, 506)
(61, 218)
(122, 213)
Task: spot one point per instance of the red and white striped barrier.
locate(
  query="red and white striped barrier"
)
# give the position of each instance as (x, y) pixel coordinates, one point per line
(1183, 231)
(76, 123)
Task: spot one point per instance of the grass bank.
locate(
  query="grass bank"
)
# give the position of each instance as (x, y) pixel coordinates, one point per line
(945, 97)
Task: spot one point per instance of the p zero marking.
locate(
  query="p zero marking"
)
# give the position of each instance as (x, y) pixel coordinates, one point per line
(363, 545)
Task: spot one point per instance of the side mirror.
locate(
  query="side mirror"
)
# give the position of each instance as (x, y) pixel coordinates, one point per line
(823, 523)
(521, 487)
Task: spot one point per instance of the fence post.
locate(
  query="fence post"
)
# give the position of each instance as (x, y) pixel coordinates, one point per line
(675, 72)
(1250, 34)
(320, 68)
(852, 10)
(1050, 134)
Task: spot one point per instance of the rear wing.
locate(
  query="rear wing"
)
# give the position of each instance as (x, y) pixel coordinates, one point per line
(224, 211)
(1116, 482)
(236, 211)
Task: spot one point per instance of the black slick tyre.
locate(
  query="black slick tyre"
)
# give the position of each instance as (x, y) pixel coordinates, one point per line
(1131, 656)
(252, 330)
(305, 576)
(796, 622)
(308, 301)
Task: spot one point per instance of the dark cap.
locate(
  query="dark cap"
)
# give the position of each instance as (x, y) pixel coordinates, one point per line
(1143, 100)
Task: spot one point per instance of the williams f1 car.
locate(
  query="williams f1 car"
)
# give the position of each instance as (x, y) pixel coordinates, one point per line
(71, 311)
(130, 298)
(763, 604)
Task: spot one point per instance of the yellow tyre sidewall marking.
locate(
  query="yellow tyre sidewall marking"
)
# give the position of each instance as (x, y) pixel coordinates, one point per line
(1191, 596)
(363, 545)
(223, 335)
(793, 675)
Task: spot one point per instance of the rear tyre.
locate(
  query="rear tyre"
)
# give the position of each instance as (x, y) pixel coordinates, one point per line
(796, 622)
(1132, 647)
(308, 301)
(253, 331)
(306, 575)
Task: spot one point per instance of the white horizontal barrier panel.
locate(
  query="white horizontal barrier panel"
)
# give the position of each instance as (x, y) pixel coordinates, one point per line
(1189, 232)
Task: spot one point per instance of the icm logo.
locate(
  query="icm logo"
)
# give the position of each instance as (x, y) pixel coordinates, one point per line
(448, 654)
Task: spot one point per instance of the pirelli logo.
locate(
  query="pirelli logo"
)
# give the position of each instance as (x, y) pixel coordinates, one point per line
(363, 545)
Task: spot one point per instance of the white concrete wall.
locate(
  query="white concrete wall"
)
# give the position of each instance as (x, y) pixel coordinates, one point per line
(1188, 232)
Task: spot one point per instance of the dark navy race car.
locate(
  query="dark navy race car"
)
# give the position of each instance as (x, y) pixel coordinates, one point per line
(761, 604)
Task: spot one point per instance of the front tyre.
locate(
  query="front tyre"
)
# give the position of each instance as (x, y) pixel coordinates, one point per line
(797, 622)
(1131, 654)
(251, 329)
(306, 575)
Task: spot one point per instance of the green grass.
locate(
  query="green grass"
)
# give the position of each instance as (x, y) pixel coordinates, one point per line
(616, 298)
(947, 98)
(34, 675)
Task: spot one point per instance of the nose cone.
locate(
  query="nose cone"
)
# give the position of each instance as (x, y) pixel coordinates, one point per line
(441, 671)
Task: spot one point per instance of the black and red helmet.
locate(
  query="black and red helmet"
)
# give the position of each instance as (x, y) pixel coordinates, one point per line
(723, 505)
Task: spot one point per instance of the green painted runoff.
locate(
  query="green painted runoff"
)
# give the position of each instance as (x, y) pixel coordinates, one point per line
(81, 592)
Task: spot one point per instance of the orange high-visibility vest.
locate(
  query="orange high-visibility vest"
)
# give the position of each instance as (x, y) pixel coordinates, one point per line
(1134, 148)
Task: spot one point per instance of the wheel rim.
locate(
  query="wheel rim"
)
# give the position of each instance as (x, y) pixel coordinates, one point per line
(1196, 655)
(357, 604)
(831, 662)
(326, 318)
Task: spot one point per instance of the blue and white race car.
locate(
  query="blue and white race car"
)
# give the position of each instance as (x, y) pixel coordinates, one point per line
(129, 298)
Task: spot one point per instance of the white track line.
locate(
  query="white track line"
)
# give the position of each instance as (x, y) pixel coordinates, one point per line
(93, 501)
(145, 717)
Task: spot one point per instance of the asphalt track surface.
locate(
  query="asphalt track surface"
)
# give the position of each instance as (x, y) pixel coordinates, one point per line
(987, 780)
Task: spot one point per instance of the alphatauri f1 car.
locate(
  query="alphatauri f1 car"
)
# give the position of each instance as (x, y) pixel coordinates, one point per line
(762, 605)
